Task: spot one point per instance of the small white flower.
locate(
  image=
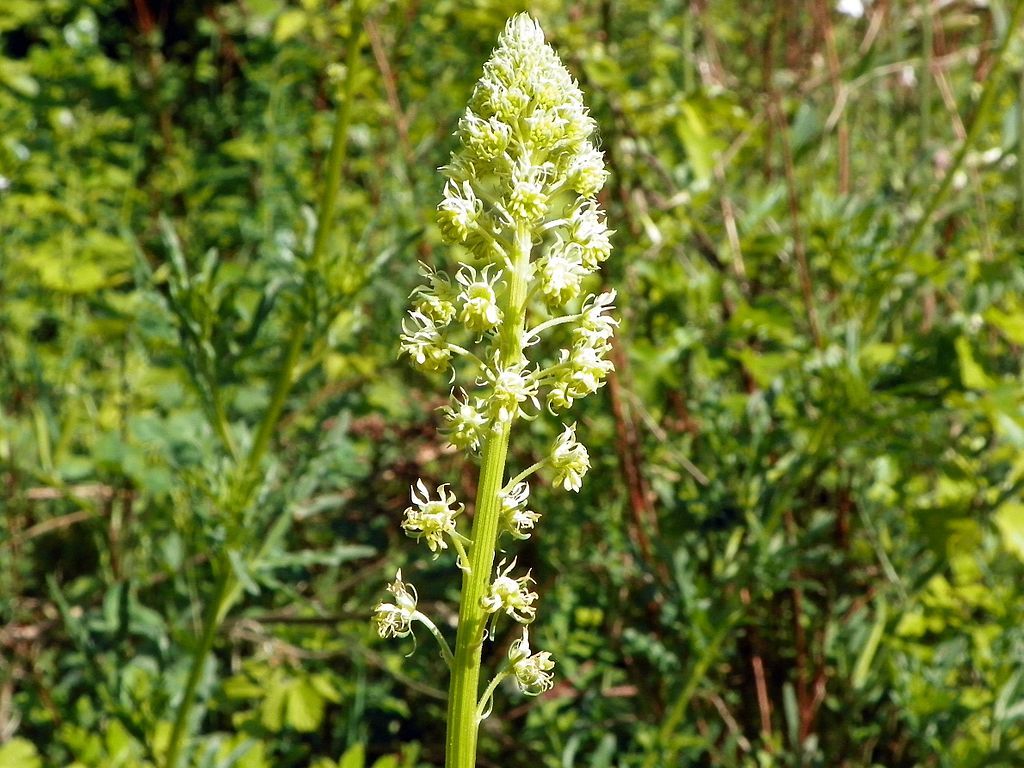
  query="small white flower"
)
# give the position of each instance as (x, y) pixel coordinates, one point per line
(422, 341)
(532, 671)
(465, 423)
(395, 619)
(480, 311)
(432, 519)
(513, 596)
(853, 8)
(435, 300)
(516, 519)
(510, 388)
(570, 460)
(561, 273)
(458, 211)
(485, 138)
(527, 200)
(596, 326)
(586, 171)
(586, 227)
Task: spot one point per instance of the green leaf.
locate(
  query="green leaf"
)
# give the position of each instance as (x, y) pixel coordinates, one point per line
(304, 707)
(867, 655)
(972, 375)
(19, 753)
(1010, 522)
(289, 24)
(354, 757)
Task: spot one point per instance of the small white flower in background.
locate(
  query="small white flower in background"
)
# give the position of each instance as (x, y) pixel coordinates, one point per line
(432, 519)
(516, 519)
(395, 619)
(570, 460)
(532, 671)
(513, 596)
(480, 310)
(854, 8)
(5, 183)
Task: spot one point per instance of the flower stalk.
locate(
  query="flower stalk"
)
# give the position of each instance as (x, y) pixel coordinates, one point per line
(519, 202)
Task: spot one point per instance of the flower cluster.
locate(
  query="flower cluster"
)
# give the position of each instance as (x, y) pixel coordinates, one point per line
(515, 321)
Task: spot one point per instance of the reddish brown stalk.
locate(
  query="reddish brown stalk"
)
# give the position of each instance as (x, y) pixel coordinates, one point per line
(764, 705)
(380, 55)
(803, 270)
(835, 75)
(627, 446)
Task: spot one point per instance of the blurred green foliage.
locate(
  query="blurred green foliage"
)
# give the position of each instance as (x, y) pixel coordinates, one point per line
(802, 541)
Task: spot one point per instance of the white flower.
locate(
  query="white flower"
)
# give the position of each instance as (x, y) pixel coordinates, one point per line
(561, 273)
(422, 341)
(532, 671)
(513, 596)
(395, 619)
(486, 139)
(527, 200)
(510, 388)
(516, 519)
(458, 211)
(586, 171)
(465, 423)
(586, 227)
(480, 311)
(596, 326)
(570, 460)
(854, 8)
(436, 299)
(432, 519)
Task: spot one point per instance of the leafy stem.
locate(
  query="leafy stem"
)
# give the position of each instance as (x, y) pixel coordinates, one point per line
(227, 588)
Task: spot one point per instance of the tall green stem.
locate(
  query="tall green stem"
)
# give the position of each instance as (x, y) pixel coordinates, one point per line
(227, 589)
(463, 692)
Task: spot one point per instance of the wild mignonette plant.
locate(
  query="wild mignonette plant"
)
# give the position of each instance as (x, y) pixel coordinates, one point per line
(517, 333)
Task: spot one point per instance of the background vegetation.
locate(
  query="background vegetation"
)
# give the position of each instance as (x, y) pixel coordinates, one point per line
(802, 540)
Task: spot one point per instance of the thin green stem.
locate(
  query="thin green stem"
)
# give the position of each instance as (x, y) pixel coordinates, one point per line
(482, 707)
(1020, 150)
(446, 651)
(228, 589)
(216, 610)
(463, 722)
(523, 475)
